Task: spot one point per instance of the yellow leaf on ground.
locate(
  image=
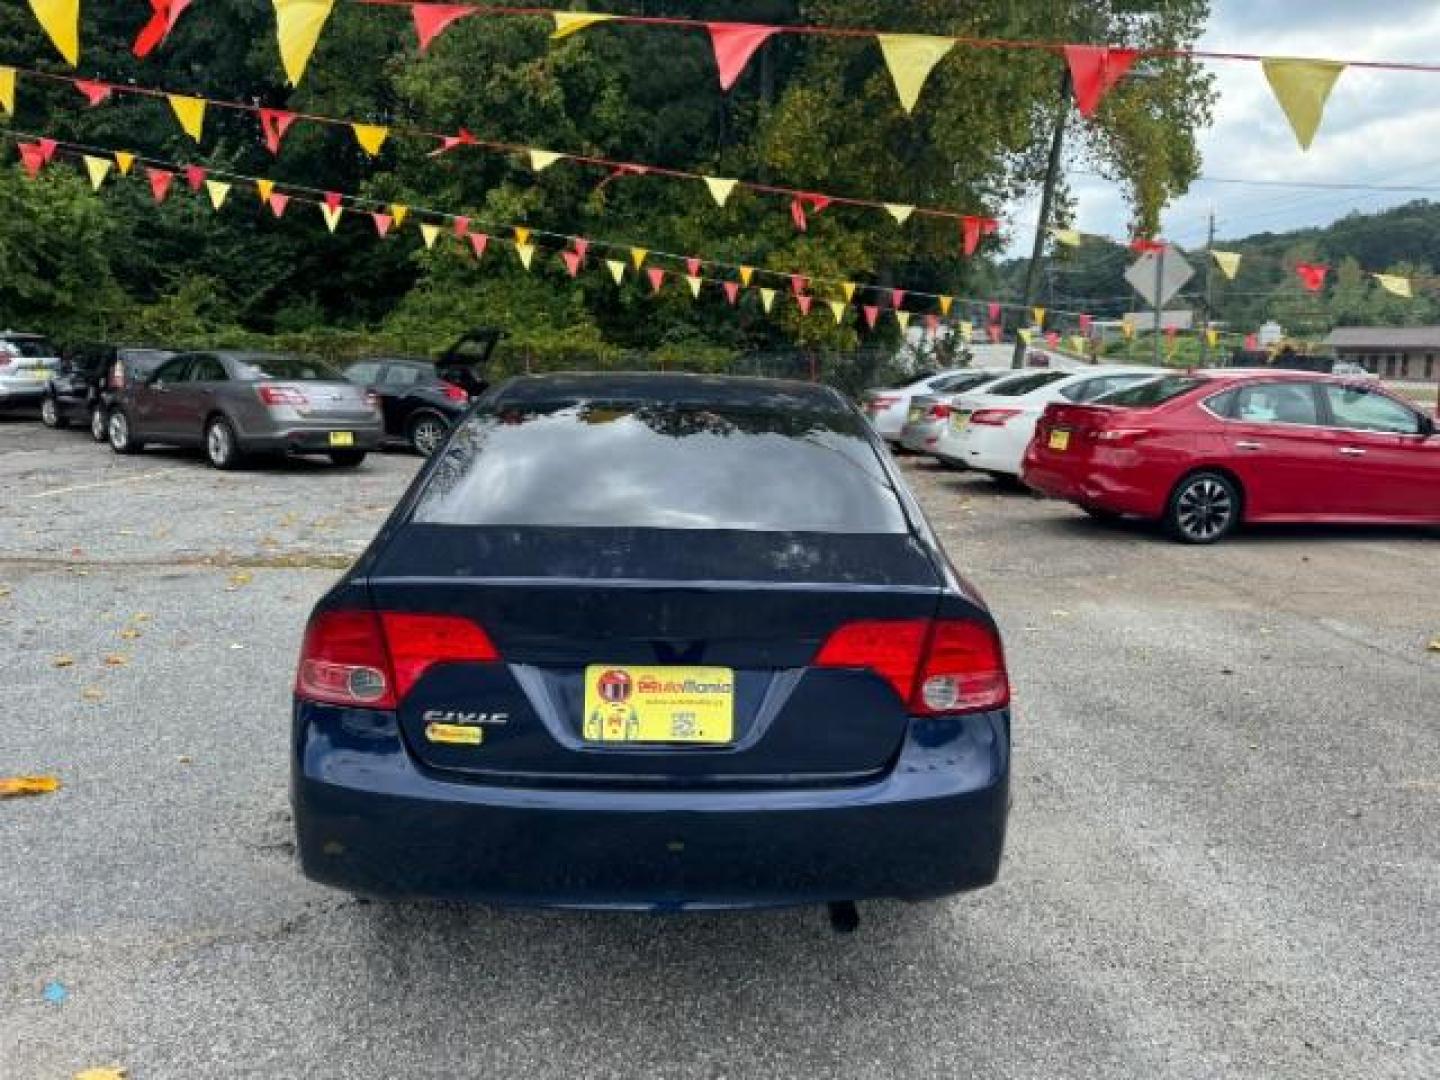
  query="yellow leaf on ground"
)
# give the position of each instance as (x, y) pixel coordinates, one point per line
(130, 633)
(116, 660)
(239, 578)
(1435, 645)
(63, 661)
(93, 693)
(16, 786)
(104, 1072)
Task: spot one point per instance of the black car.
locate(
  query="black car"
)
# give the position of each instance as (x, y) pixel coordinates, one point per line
(76, 392)
(419, 405)
(123, 366)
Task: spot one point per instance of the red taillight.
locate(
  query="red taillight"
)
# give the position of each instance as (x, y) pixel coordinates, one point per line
(993, 417)
(281, 395)
(343, 661)
(419, 642)
(938, 411)
(117, 376)
(455, 393)
(939, 667)
(1120, 436)
(372, 660)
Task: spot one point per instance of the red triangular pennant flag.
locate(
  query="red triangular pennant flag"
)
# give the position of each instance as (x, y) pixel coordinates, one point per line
(450, 142)
(1085, 323)
(797, 215)
(657, 278)
(804, 302)
(732, 292)
(278, 203)
(95, 92)
(997, 332)
(432, 19)
(195, 177)
(382, 222)
(1052, 338)
(160, 181)
(994, 313)
(1147, 247)
(572, 262)
(973, 228)
(273, 124)
(47, 149)
(1094, 71)
(932, 324)
(155, 31)
(897, 298)
(582, 247)
(462, 226)
(1252, 342)
(735, 44)
(798, 283)
(1312, 275)
(479, 241)
(332, 200)
(32, 156)
(872, 315)
(692, 267)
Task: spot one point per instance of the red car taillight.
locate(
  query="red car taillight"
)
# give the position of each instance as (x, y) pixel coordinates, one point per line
(455, 393)
(993, 417)
(938, 411)
(878, 403)
(281, 395)
(372, 660)
(372, 400)
(938, 667)
(1120, 436)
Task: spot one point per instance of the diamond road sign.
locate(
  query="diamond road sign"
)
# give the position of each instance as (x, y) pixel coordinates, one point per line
(1173, 276)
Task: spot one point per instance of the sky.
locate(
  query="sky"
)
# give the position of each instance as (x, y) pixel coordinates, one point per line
(1380, 127)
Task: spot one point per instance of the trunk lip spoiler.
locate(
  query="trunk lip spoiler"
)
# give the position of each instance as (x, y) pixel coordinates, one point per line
(691, 584)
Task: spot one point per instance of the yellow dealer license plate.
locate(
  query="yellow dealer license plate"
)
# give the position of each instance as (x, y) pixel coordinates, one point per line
(958, 420)
(690, 705)
(1059, 440)
(342, 438)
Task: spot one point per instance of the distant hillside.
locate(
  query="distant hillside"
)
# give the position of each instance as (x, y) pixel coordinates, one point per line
(1404, 241)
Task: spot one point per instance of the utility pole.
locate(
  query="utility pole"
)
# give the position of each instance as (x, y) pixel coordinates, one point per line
(1159, 285)
(1042, 227)
(1209, 302)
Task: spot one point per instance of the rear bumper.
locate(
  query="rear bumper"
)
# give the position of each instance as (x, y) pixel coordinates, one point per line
(369, 820)
(1106, 488)
(311, 440)
(921, 438)
(16, 392)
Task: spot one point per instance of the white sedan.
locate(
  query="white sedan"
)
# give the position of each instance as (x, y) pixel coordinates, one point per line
(889, 409)
(990, 430)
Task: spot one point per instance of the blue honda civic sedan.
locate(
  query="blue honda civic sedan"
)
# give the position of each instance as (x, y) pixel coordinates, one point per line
(655, 642)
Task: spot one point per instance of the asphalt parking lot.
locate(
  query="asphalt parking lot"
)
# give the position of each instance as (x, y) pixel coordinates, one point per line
(1224, 856)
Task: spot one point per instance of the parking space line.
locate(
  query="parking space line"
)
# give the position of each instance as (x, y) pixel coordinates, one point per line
(101, 483)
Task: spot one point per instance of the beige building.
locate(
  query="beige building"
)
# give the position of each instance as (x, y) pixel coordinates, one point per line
(1392, 352)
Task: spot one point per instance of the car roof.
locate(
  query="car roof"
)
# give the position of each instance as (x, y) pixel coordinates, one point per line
(1265, 374)
(673, 388)
(20, 335)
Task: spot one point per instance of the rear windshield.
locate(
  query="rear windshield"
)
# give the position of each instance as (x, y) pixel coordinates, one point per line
(144, 361)
(1016, 385)
(294, 368)
(1155, 392)
(35, 348)
(663, 466)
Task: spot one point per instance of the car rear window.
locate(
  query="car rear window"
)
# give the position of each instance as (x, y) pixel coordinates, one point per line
(34, 348)
(1155, 392)
(294, 368)
(663, 466)
(1016, 385)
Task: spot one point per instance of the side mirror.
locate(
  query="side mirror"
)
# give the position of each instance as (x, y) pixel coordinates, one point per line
(1427, 426)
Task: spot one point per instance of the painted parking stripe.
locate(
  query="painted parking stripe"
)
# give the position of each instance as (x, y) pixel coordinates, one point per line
(102, 483)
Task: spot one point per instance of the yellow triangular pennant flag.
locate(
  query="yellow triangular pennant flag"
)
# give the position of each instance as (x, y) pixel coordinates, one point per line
(1039, 314)
(837, 308)
(903, 318)
(848, 288)
(572, 22)
(526, 253)
(61, 20)
(911, 58)
(617, 269)
(371, 137)
(638, 257)
(746, 274)
(430, 233)
(124, 161)
(967, 330)
(7, 89)
(265, 188)
(1026, 336)
(1302, 87)
(694, 283)
(1228, 261)
(190, 111)
(98, 168)
(900, 213)
(1391, 283)
(522, 235)
(1077, 344)
(399, 211)
(720, 190)
(1212, 337)
(1068, 237)
(1128, 329)
(946, 303)
(219, 192)
(297, 28)
(540, 160)
(332, 215)
(767, 298)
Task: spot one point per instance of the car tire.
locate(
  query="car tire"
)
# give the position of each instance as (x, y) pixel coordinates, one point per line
(50, 414)
(99, 424)
(1204, 508)
(222, 448)
(427, 432)
(347, 459)
(1099, 513)
(117, 431)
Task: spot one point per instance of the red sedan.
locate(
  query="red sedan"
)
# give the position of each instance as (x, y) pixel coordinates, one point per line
(1205, 451)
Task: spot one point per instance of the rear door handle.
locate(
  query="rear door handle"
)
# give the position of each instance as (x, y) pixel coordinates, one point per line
(1249, 446)
(1352, 451)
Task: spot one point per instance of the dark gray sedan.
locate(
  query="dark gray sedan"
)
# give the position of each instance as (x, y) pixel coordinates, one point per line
(233, 404)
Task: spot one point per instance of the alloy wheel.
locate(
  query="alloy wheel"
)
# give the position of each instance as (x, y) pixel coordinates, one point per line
(218, 444)
(49, 414)
(97, 425)
(1204, 509)
(429, 433)
(119, 431)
